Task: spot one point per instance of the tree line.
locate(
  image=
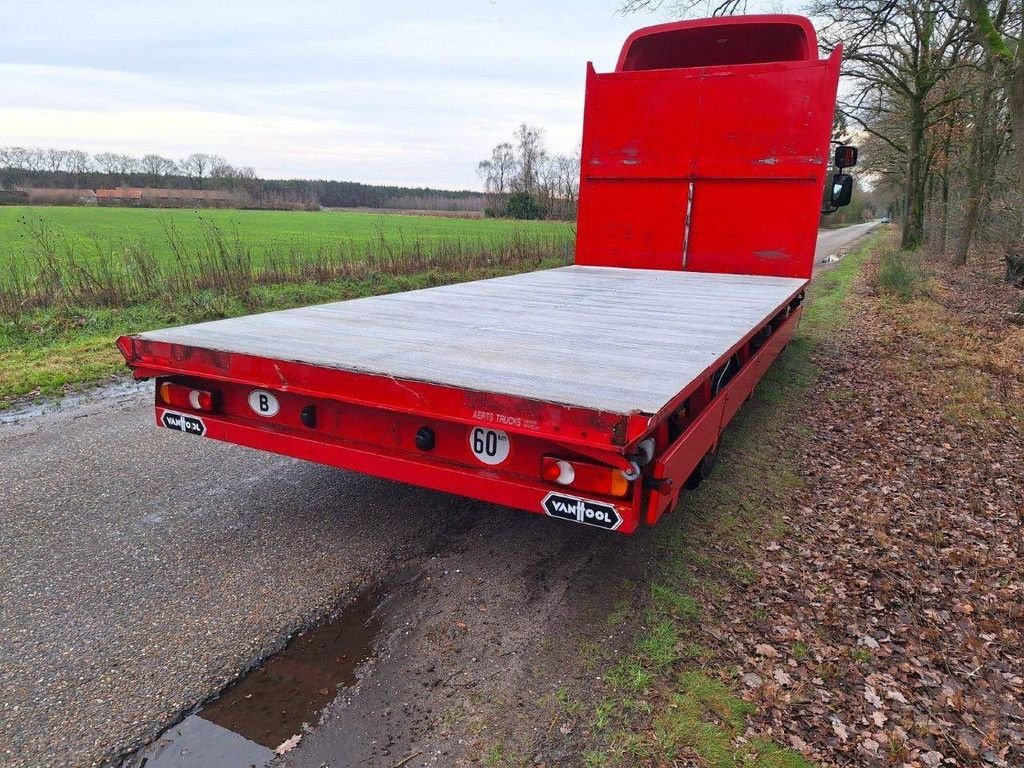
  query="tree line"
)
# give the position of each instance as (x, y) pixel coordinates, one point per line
(933, 91)
(76, 169)
(938, 108)
(75, 166)
(522, 180)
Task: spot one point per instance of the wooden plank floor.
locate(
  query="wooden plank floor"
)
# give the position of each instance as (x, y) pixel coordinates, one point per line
(618, 340)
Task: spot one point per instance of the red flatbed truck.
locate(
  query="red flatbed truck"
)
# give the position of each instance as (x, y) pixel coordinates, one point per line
(595, 392)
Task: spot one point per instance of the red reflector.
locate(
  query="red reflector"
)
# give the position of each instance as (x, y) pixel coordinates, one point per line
(180, 396)
(584, 476)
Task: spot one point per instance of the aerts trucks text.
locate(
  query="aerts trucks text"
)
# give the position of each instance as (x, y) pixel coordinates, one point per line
(592, 393)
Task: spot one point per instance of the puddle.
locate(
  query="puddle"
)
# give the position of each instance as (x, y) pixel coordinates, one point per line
(269, 705)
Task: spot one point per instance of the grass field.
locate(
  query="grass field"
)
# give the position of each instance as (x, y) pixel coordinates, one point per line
(264, 232)
(73, 279)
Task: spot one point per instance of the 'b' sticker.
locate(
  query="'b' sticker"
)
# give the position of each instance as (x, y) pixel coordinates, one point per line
(263, 403)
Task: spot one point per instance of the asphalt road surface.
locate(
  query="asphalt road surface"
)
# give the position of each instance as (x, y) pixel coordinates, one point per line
(833, 242)
(142, 570)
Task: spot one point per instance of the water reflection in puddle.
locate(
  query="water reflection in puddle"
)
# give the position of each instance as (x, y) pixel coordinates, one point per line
(267, 708)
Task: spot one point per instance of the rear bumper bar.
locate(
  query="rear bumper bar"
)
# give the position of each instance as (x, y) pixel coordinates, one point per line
(486, 485)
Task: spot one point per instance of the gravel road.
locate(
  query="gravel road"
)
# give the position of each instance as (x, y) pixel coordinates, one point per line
(141, 571)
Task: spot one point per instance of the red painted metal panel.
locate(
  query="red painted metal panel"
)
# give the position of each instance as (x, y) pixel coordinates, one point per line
(681, 458)
(754, 239)
(653, 223)
(730, 142)
(381, 428)
(642, 125)
(677, 461)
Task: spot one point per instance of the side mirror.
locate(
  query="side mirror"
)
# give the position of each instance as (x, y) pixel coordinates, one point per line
(846, 156)
(842, 190)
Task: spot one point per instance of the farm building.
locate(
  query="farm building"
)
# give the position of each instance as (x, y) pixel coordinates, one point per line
(170, 197)
(121, 195)
(55, 195)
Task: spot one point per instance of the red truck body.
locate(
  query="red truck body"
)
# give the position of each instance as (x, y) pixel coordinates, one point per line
(591, 393)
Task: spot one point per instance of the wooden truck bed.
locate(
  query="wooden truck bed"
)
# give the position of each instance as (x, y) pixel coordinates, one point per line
(622, 341)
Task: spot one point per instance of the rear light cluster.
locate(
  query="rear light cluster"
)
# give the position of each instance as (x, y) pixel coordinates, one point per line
(181, 396)
(584, 476)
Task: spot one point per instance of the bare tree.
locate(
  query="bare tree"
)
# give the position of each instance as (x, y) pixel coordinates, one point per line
(105, 161)
(127, 165)
(79, 161)
(497, 171)
(33, 159)
(526, 168)
(530, 156)
(117, 164)
(196, 166)
(547, 185)
(986, 132)
(221, 168)
(157, 166)
(569, 180)
(1000, 26)
(56, 160)
(9, 157)
(897, 52)
(108, 162)
(999, 31)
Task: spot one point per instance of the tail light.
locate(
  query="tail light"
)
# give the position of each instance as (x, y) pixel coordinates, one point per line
(181, 396)
(584, 476)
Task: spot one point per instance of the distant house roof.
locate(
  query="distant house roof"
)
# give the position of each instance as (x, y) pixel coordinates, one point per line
(155, 193)
(189, 194)
(54, 192)
(121, 193)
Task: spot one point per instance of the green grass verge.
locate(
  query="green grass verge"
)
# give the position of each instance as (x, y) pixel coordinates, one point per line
(671, 701)
(43, 352)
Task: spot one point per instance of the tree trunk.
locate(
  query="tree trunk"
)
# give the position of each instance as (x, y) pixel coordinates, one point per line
(980, 170)
(913, 224)
(944, 210)
(970, 223)
(1015, 99)
(944, 224)
(1015, 266)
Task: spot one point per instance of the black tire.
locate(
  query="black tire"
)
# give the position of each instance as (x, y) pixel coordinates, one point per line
(701, 471)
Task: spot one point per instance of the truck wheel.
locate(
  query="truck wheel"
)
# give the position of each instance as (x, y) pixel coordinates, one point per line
(701, 471)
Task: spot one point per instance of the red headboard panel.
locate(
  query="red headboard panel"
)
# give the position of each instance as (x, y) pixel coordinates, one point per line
(711, 167)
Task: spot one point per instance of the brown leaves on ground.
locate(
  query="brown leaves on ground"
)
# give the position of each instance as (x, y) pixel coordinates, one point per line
(886, 624)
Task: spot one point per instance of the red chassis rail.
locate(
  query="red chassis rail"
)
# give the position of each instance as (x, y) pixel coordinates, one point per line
(370, 424)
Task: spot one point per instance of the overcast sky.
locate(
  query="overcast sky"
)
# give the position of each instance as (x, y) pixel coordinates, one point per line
(395, 92)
